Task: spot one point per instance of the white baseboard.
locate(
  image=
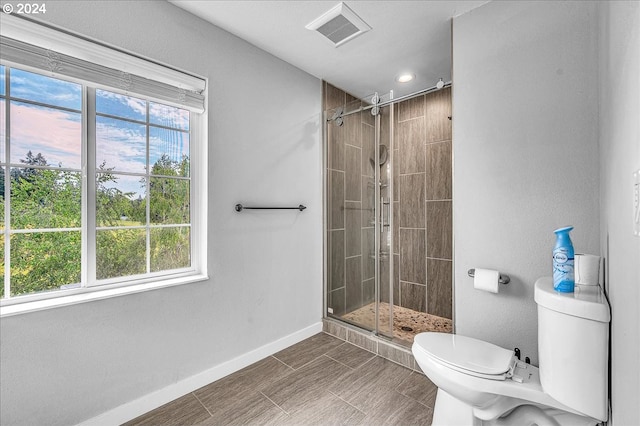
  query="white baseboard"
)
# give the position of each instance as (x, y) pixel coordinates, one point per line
(153, 400)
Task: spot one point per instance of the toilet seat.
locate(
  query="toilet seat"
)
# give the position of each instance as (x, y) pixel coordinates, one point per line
(468, 355)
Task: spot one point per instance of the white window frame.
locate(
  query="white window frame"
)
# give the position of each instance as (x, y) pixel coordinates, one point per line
(81, 48)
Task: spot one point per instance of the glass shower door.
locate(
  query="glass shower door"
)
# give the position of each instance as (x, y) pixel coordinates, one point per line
(359, 264)
(389, 218)
(384, 230)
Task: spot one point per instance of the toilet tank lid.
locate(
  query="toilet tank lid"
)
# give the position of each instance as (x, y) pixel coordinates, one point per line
(465, 352)
(587, 301)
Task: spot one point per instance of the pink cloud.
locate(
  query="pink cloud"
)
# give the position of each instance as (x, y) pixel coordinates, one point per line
(56, 134)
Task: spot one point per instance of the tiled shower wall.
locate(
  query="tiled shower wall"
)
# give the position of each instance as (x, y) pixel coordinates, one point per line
(422, 246)
(422, 204)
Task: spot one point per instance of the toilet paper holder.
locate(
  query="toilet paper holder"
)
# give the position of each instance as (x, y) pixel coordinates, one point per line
(504, 279)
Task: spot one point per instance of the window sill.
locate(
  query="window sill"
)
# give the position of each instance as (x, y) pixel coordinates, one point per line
(95, 294)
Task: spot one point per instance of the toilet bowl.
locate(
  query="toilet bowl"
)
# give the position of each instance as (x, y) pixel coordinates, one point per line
(480, 383)
(488, 380)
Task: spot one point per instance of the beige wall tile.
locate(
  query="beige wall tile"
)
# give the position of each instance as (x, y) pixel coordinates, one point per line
(352, 129)
(412, 254)
(353, 283)
(411, 108)
(368, 249)
(410, 140)
(368, 291)
(368, 149)
(439, 287)
(353, 227)
(439, 177)
(413, 296)
(438, 111)
(335, 146)
(336, 267)
(337, 301)
(361, 340)
(334, 329)
(395, 354)
(333, 97)
(412, 196)
(336, 199)
(439, 229)
(353, 163)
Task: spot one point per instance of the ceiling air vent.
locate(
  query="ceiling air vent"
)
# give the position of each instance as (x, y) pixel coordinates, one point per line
(339, 25)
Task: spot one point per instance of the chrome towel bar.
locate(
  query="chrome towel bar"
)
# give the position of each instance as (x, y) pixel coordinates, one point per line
(504, 279)
(239, 207)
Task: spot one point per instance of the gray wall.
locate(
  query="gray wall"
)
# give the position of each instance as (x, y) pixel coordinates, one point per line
(525, 143)
(619, 158)
(64, 365)
(546, 111)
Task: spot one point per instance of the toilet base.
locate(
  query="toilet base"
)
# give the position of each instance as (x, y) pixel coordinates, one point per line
(450, 411)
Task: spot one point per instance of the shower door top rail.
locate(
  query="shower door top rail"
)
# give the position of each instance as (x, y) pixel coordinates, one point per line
(391, 101)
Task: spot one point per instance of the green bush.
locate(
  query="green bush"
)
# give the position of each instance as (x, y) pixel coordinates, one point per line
(51, 199)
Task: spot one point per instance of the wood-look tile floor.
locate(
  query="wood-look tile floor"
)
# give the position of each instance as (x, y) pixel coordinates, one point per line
(319, 381)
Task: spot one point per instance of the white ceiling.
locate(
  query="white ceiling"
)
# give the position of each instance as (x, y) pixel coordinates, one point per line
(406, 36)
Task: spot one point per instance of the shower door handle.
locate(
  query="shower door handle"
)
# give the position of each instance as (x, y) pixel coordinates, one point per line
(385, 207)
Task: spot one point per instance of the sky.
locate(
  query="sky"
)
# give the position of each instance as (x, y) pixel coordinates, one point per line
(55, 130)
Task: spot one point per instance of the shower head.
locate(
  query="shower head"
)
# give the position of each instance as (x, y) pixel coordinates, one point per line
(384, 156)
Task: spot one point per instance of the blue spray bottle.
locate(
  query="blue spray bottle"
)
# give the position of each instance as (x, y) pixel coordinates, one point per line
(563, 278)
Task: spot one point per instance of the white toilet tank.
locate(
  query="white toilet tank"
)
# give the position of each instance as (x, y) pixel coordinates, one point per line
(573, 346)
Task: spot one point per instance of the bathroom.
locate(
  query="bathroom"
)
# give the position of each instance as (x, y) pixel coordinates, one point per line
(520, 129)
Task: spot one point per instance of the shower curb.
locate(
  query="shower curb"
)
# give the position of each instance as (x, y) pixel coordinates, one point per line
(370, 342)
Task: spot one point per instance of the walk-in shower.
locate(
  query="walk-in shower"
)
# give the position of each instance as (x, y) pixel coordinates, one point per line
(388, 245)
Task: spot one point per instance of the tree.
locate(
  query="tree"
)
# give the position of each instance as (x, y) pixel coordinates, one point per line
(169, 196)
(170, 204)
(122, 252)
(31, 160)
(112, 204)
(43, 197)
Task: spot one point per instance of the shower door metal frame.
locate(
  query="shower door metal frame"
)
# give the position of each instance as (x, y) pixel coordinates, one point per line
(377, 211)
(379, 216)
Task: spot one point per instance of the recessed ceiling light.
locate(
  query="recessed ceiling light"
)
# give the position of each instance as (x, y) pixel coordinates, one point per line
(405, 78)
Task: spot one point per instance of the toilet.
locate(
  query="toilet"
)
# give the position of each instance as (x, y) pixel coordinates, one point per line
(480, 383)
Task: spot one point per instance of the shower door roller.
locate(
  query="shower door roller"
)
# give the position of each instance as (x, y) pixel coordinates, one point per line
(375, 100)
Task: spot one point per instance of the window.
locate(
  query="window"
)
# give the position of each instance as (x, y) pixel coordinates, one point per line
(96, 182)
(42, 185)
(142, 186)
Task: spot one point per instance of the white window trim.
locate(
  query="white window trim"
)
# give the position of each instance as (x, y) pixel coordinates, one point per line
(91, 294)
(43, 35)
